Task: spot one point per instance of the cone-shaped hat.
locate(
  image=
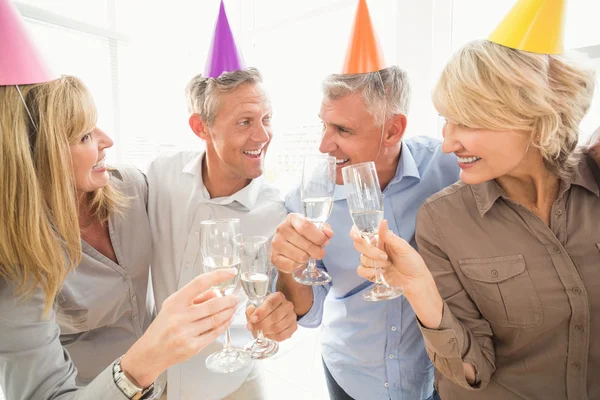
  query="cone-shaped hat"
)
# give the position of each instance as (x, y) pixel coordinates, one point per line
(535, 26)
(224, 55)
(20, 61)
(364, 52)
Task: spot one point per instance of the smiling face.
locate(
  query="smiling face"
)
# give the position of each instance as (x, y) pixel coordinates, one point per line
(485, 154)
(349, 132)
(241, 132)
(88, 158)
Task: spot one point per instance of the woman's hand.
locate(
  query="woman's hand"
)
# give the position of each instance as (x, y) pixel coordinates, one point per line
(188, 321)
(401, 265)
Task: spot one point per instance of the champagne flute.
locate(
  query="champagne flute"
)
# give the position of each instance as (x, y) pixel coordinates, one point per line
(365, 201)
(255, 281)
(318, 185)
(220, 247)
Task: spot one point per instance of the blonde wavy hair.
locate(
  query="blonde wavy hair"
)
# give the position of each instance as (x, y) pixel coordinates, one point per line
(39, 232)
(489, 86)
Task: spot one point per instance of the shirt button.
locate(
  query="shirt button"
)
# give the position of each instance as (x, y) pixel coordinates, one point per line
(577, 366)
(391, 356)
(394, 329)
(187, 264)
(134, 297)
(579, 328)
(556, 249)
(135, 317)
(576, 290)
(494, 273)
(386, 384)
(559, 212)
(452, 341)
(126, 277)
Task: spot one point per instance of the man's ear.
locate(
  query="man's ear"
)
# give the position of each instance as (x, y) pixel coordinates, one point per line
(199, 127)
(396, 126)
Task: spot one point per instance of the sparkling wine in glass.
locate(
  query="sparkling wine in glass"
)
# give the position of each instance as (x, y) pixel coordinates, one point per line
(318, 185)
(365, 201)
(255, 268)
(220, 242)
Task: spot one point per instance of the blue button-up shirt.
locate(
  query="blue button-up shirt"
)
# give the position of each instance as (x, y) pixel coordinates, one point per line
(375, 350)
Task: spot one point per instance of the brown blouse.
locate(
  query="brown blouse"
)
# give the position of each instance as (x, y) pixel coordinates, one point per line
(522, 299)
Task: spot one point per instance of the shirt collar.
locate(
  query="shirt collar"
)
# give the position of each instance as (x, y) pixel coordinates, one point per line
(487, 193)
(115, 173)
(246, 197)
(407, 167)
(587, 175)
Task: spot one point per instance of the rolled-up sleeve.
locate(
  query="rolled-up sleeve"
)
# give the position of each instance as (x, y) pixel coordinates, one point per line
(33, 363)
(312, 319)
(463, 336)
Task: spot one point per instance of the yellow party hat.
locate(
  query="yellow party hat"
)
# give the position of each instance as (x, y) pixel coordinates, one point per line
(535, 26)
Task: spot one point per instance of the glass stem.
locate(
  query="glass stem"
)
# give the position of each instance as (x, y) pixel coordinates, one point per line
(260, 337)
(379, 280)
(312, 265)
(227, 344)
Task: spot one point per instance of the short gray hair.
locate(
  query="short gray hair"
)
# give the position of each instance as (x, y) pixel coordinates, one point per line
(202, 94)
(395, 82)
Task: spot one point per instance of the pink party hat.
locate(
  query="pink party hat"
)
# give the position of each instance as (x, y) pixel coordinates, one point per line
(20, 61)
(224, 55)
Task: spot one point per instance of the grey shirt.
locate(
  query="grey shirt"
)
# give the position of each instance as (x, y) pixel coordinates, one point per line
(104, 307)
(101, 310)
(33, 364)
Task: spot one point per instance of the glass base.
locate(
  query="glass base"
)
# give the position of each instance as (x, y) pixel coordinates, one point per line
(382, 292)
(311, 278)
(228, 361)
(261, 349)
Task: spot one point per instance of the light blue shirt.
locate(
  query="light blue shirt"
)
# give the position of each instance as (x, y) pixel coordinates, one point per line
(375, 350)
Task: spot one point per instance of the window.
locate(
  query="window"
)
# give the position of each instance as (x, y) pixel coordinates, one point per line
(78, 39)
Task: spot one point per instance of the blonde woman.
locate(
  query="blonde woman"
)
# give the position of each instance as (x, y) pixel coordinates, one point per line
(61, 207)
(507, 283)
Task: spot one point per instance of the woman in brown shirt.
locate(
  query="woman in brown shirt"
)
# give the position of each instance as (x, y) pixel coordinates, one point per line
(507, 284)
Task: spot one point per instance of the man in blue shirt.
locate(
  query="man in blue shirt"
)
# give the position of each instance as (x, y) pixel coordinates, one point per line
(371, 350)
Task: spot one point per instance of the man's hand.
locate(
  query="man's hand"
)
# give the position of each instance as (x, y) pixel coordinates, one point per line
(297, 239)
(275, 317)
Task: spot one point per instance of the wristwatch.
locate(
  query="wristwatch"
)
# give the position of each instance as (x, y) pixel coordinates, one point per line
(131, 391)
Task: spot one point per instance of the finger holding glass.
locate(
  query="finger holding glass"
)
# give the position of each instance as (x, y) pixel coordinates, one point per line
(318, 185)
(365, 201)
(220, 242)
(255, 269)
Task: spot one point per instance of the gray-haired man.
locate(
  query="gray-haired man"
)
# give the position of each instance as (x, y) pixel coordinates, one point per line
(232, 115)
(371, 350)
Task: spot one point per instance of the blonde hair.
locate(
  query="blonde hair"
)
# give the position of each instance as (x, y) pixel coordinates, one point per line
(486, 85)
(396, 84)
(38, 202)
(202, 94)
